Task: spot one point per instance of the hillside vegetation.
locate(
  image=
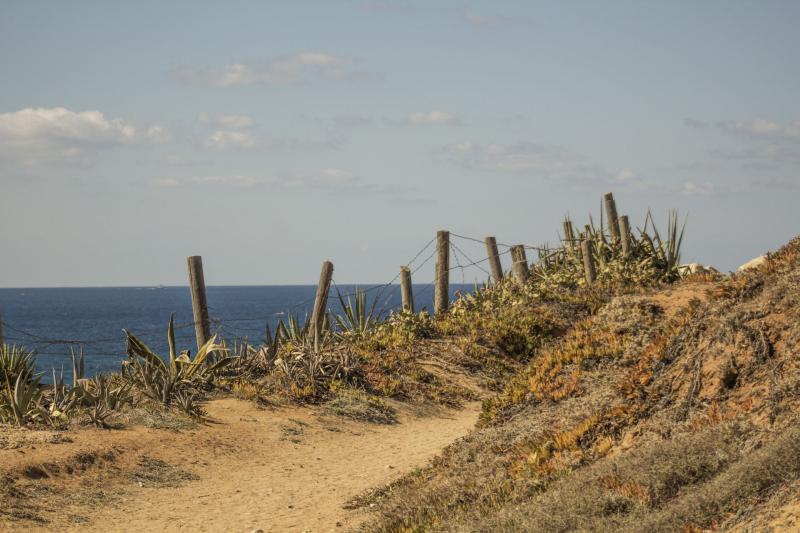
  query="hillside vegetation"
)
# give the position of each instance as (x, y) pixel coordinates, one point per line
(668, 409)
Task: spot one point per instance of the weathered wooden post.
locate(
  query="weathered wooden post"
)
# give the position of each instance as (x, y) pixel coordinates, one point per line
(625, 234)
(321, 302)
(588, 261)
(494, 258)
(441, 295)
(2, 339)
(406, 291)
(519, 263)
(197, 284)
(613, 220)
(569, 234)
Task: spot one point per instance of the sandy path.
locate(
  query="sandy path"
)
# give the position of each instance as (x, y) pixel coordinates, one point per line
(275, 470)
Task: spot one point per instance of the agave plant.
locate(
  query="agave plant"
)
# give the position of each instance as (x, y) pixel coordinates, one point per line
(357, 320)
(163, 380)
(667, 253)
(15, 361)
(295, 331)
(247, 359)
(103, 396)
(305, 368)
(62, 400)
(22, 403)
(77, 365)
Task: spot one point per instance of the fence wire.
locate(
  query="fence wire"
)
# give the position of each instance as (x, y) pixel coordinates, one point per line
(47, 346)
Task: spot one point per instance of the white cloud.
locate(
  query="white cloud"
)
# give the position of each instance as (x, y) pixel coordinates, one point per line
(226, 140)
(763, 129)
(165, 182)
(328, 179)
(557, 164)
(432, 118)
(158, 135)
(221, 140)
(60, 124)
(761, 156)
(691, 188)
(759, 128)
(529, 159)
(234, 181)
(228, 122)
(285, 70)
(35, 135)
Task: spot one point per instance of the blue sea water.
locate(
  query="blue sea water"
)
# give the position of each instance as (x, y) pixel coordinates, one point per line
(49, 319)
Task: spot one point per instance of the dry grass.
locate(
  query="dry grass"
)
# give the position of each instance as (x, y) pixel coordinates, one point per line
(357, 405)
(153, 472)
(632, 421)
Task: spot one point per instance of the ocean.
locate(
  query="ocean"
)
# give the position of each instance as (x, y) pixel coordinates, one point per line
(51, 320)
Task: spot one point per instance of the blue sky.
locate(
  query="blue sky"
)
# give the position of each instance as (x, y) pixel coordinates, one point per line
(270, 136)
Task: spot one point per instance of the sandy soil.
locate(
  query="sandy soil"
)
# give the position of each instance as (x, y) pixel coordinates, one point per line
(285, 469)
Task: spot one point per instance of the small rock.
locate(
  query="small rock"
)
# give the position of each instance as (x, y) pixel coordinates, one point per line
(696, 268)
(753, 263)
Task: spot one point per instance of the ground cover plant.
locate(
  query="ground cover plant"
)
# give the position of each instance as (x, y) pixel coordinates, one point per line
(669, 410)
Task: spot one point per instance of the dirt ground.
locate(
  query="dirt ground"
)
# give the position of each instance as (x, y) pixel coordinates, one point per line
(282, 469)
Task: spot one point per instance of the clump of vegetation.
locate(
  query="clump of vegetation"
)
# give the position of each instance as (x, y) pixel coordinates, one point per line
(153, 472)
(15, 361)
(180, 379)
(645, 260)
(357, 405)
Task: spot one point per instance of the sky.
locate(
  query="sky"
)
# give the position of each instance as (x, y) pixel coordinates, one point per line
(270, 136)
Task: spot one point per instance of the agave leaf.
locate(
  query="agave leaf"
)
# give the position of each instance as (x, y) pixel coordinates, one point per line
(140, 349)
(171, 341)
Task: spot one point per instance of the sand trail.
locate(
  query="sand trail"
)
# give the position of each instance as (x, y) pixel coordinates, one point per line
(284, 469)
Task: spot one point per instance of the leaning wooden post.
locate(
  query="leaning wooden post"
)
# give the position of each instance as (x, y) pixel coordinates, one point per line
(197, 284)
(406, 292)
(321, 302)
(613, 220)
(588, 261)
(494, 258)
(519, 263)
(441, 295)
(625, 231)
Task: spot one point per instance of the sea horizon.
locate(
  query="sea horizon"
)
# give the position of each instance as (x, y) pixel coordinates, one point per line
(51, 320)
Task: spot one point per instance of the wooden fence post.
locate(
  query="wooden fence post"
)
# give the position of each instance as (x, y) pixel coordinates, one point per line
(406, 291)
(2, 339)
(494, 258)
(321, 302)
(625, 231)
(441, 295)
(197, 284)
(519, 263)
(613, 220)
(588, 261)
(569, 234)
